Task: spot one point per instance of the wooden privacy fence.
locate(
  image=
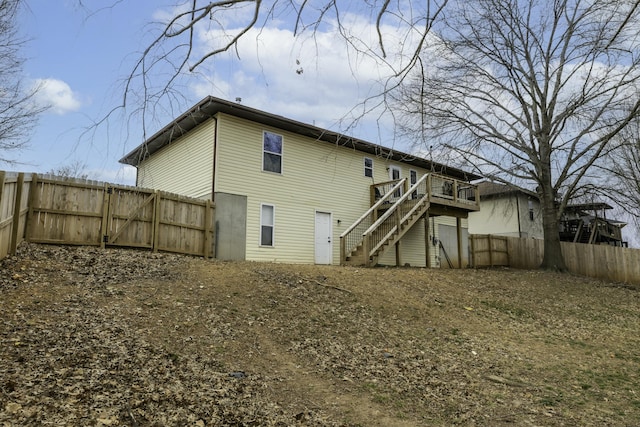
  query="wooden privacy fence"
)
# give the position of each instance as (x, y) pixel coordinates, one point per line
(78, 212)
(14, 194)
(486, 250)
(599, 261)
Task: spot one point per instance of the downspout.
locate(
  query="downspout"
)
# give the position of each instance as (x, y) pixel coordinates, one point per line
(213, 184)
(215, 160)
(518, 210)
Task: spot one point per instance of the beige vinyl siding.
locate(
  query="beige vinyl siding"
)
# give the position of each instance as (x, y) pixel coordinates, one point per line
(316, 176)
(412, 249)
(450, 220)
(296, 193)
(185, 166)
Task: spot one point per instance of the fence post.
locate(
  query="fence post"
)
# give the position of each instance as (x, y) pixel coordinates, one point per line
(15, 229)
(33, 197)
(490, 243)
(156, 220)
(2, 178)
(106, 195)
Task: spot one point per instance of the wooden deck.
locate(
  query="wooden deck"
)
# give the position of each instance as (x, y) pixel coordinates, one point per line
(447, 196)
(396, 206)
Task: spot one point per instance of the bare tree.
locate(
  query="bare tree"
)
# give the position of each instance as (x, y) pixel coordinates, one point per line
(18, 110)
(623, 169)
(173, 50)
(530, 92)
(75, 169)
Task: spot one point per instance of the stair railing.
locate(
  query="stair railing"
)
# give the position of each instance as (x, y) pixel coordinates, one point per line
(352, 236)
(383, 228)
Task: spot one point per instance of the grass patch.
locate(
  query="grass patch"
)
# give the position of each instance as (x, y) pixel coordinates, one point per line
(510, 310)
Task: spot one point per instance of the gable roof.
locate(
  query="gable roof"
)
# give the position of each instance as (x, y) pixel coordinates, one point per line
(211, 106)
(488, 189)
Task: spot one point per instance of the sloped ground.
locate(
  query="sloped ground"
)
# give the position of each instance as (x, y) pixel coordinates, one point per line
(130, 338)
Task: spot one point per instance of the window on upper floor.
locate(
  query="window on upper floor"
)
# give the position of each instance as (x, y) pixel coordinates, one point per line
(368, 167)
(271, 152)
(267, 224)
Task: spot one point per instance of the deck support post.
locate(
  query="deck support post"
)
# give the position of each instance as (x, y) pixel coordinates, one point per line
(459, 235)
(427, 241)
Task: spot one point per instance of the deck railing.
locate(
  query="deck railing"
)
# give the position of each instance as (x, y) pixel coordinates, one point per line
(608, 231)
(351, 238)
(452, 190)
(391, 220)
(393, 203)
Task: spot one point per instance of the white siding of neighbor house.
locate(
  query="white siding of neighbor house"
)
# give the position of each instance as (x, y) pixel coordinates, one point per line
(528, 227)
(316, 176)
(184, 166)
(500, 216)
(496, 216)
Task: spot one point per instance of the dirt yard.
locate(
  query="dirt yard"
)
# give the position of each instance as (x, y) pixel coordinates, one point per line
(94, 337)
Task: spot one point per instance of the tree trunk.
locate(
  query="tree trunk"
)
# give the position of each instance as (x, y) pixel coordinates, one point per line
(553, 258)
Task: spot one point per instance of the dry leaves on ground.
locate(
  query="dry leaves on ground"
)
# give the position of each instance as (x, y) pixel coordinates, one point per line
(131, 338)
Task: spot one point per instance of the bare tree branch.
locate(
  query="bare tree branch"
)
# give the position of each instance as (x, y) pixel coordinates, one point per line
(531, 93)
(18, 106)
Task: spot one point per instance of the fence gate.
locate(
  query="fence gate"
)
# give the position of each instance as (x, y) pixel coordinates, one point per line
(89, 213)
(129, 217)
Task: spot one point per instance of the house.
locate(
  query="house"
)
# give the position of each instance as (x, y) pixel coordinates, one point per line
(287, 191)
(588, 223)
(507, 211)
(516, 212)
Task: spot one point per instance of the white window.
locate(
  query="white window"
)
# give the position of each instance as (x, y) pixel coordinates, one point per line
(368, 167)
(271, 152)
(413, 179)
(394, 174)
(267, 224)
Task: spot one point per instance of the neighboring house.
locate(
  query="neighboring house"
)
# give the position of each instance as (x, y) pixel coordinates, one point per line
(588, 223)
(516, 212)
(287, 191)
(507, 211)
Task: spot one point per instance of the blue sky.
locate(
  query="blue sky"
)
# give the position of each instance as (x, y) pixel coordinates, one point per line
(80, 58)
(82, 61)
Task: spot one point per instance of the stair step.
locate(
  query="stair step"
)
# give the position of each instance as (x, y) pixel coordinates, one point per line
(357, 254)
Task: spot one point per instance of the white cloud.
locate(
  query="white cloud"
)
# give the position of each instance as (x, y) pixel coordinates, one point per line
(125, 175)
(57, 95)
(315, 78)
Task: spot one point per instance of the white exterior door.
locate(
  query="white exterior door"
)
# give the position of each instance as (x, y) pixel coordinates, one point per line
(323, 239)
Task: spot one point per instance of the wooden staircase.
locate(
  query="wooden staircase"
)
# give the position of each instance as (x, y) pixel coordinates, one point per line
(583, 234)
(393, 215)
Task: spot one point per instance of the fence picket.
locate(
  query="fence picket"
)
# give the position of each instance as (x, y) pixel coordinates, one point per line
(598, 261)
(71, 211)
